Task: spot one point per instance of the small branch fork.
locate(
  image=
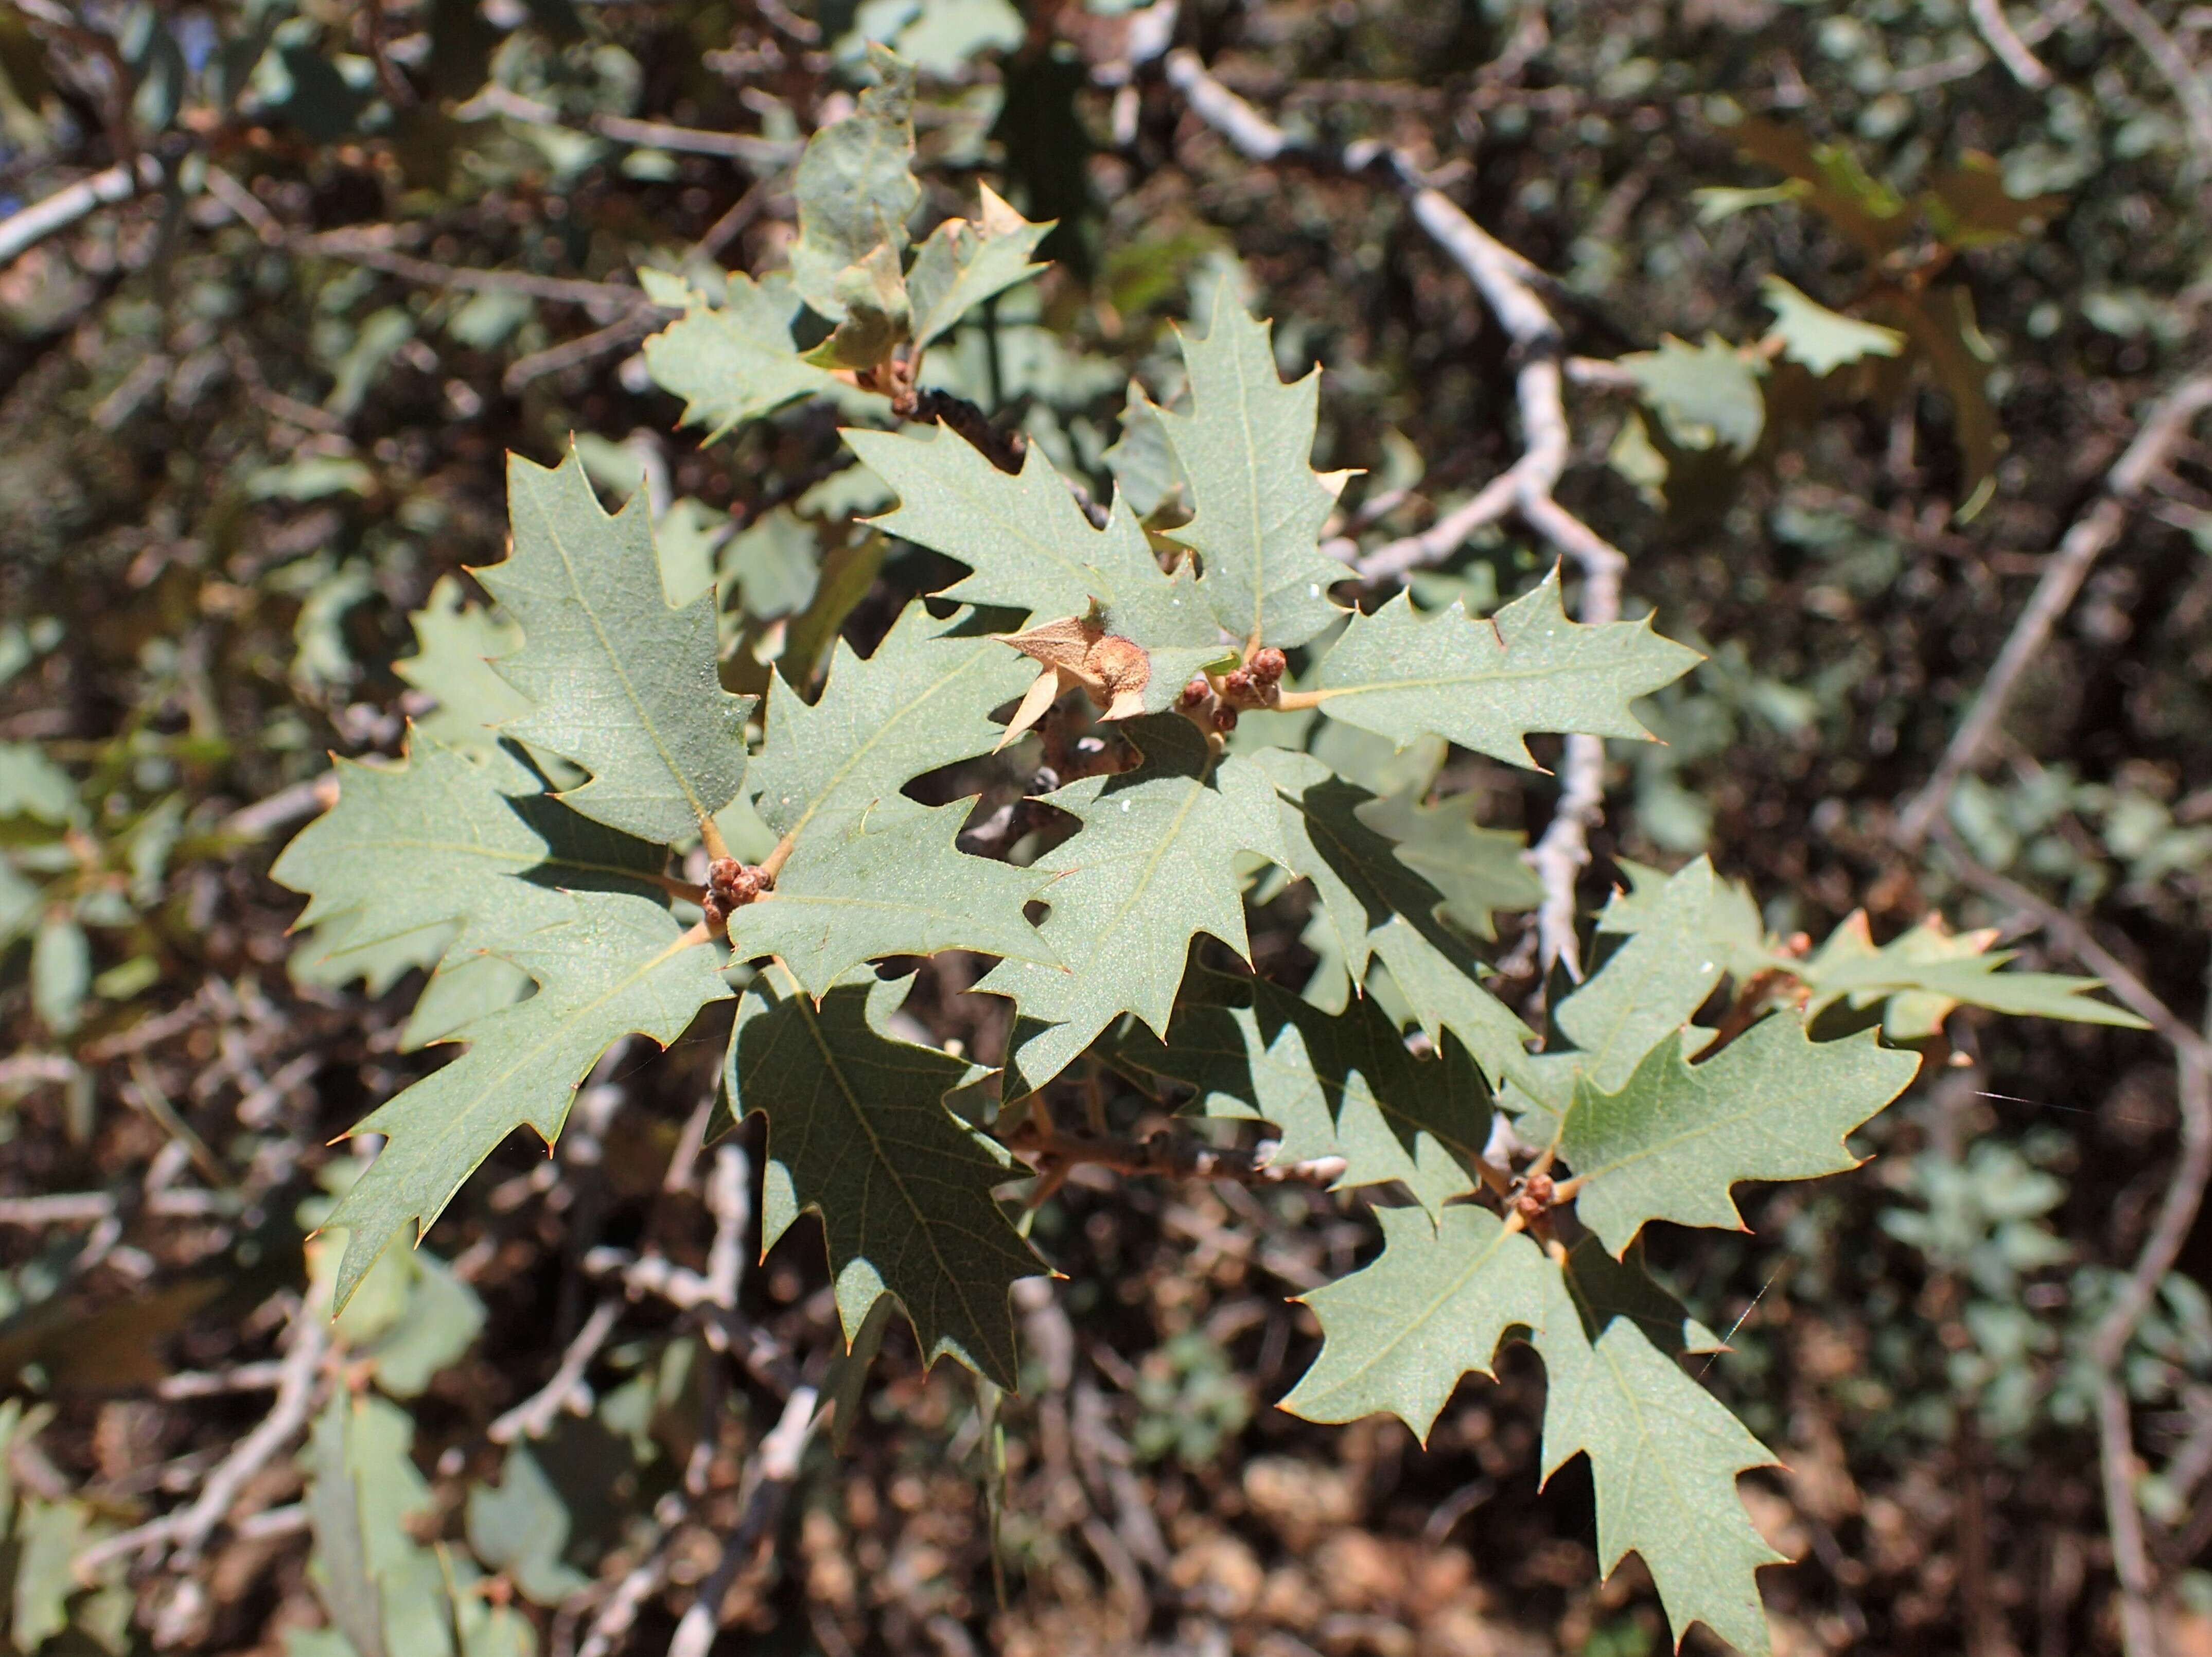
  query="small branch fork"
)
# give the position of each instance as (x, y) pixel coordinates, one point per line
(1511, 287)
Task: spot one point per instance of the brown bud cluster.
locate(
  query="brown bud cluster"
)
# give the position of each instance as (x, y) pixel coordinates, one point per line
(1197, 691)
(730, 886)
(1538, 1193)
(1267, 665)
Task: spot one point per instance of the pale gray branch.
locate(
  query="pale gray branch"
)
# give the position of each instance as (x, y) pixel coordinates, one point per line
(21, 231)
(2012, 51)
(1511, 288)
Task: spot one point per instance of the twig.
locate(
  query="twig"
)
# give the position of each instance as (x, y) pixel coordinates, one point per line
(21, 231)
(767, 1480)
(570, 354)
(1170, 1155)
(89, 1207)
(285, 806)
(241, 1378)
(2087, 541)
(288, 1415)
(599, 296)
(2012, 51)
(534, 1417)
(2177, 1212)
(2166, 56)
(753, 150)
(1510, 286)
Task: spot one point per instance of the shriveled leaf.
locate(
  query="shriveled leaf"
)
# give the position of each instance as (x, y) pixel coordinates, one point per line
(855, 185)
(620, 684)
(1245, 445)
(875, 315)
(962, 264)
(857, 1131)
(1773, 1104)
(1334, 1085)
(1820, 339)
(1156, 864)
(1399, 1334)
(1970, 207)
(1664, 1455)
(1487, 684)
(619, 965)
(1704, 395)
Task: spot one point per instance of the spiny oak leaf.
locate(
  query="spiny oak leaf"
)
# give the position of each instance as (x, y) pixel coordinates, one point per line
(618, 965)
(619, 683)
(736, 361)
(1398, 1335)
(1030, 548)
(1664, 1455)
(1773, 1104)
(1377, 905)
(1486, 685)
(1341, 1084)
(858, 892)
(1156, 864)
(452, 856)
(1245, 446)
(857, 1131)
(854, 185)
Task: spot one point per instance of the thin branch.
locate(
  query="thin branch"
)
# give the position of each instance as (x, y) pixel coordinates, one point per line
(567, 1390)
(745, 147)
(599, 296)
(2091, 535)
(21, 231)
(767, 1480)
(2177, 1213)
(2012, 51)
(287, 1416)
(1512, 287)
(1169, 1156)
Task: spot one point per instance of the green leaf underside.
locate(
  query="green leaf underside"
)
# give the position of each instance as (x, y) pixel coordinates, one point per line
(857, 1131)
(1771, 1105)
(1334, 1085)
(1703, 394)
(1155, 865)
(735, 361)
(1399, 1334)
(1819, 339)
(1664, 1455)
(455, 643)
(962, 264)
(620, 682)
(922, 701)
(1922, 972)
(904, 888)
(619, 965)
(855, 186)
(1379, 907)
(1487, 684)
(1030, 549)
(1245, 446)
(475, 851)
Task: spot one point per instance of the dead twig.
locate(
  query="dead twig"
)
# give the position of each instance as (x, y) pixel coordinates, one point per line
(21, 231)
(2091, 535)
(2011, 50)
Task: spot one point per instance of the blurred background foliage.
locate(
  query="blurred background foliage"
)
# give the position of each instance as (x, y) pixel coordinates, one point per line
(1859, 321)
